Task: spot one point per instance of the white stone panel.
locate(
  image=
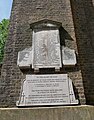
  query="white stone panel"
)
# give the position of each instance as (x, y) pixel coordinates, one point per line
(46, 49)
(68, 56)
(53, 89)
(25, 58)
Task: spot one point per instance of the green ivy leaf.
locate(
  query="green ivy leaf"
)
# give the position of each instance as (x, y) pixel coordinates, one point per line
(3, 36)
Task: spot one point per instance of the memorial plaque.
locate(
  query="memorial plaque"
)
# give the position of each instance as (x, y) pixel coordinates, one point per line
(25, 58)
(68, 56)
(53, 89)
(46, 49)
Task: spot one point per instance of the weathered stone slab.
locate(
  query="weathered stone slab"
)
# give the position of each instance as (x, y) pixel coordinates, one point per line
(53, 89)
(46, 47)
(68, 56)
(25, 58)
(48, 113)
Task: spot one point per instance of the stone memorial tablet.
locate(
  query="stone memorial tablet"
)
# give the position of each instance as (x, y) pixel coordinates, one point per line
(25, 58)
(53, 89)
(68, 56)
(46, 49)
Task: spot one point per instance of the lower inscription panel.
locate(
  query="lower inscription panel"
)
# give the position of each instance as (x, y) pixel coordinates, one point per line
(38, 90)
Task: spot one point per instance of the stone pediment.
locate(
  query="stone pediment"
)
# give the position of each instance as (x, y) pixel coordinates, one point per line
(45, 24)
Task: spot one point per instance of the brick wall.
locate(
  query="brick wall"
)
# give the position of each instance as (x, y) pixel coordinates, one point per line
(0, 69)
(23, 13)
(83, 15)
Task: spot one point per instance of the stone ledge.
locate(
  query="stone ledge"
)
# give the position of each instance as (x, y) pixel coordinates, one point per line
(48, 113)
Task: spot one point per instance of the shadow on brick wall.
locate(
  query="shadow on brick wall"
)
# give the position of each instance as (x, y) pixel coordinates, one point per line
(83, 15)
(0, 69)
(64, 35)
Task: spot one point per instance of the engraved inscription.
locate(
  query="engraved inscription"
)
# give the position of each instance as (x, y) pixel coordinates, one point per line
(50, 89)
(47, 89)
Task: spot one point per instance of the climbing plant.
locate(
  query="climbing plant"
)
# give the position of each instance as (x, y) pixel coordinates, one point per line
(3, 36)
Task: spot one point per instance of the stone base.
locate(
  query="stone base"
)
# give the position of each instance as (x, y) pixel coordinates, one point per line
(48, 113)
